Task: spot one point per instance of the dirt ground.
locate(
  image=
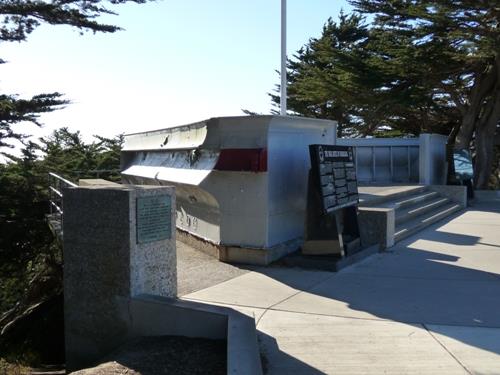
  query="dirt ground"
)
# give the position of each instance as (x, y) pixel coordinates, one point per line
(165, 355)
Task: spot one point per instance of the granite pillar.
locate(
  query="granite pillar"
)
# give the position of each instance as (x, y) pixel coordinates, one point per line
(118, 242)
(377, 226)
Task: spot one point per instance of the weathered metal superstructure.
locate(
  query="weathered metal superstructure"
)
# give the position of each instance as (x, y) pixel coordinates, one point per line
(240, 181)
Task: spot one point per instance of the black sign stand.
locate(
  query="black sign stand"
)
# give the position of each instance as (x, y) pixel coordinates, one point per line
(332, 197)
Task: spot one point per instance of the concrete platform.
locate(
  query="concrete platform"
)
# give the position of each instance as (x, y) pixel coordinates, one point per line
(197, 270)
(263, 288)
(371, 193)
(333, 345)
(430, 305)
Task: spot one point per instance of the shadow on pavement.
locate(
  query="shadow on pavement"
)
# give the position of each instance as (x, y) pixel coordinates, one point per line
(414, 285)
(451, 238)
(275, 360)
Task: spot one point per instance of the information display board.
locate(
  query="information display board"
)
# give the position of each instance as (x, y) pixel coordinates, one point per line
(335, 174)
(153, 218)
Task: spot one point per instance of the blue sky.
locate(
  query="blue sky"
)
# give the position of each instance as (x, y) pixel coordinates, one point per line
(176, 62)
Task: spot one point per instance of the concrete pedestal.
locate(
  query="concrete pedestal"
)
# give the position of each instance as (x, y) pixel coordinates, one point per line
(119, 242)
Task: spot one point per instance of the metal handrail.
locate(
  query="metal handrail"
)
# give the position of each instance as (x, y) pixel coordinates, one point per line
(57, 192)
(52, 204)
(71, 184)
(56, 184)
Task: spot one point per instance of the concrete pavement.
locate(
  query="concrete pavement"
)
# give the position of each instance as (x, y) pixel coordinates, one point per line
(430, 305)
(197, 270)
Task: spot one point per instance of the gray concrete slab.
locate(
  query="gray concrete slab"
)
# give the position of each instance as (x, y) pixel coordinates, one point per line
(253, 312)
(197, 270)
(417, 263)
(403, 299)
(477, 349)
(261, 289)
(461, 249)
(369, 193)
(431, 305)
(311, 344)
(447, 274)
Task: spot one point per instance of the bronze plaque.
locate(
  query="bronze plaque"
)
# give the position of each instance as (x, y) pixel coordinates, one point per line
(153, 218)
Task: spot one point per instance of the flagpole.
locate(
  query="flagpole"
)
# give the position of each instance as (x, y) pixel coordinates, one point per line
(283, 59)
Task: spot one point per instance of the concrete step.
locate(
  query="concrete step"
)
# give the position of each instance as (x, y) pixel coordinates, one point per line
(414, 199)
(370, 198)
(419, 207)
(408, 199)
(422, 221)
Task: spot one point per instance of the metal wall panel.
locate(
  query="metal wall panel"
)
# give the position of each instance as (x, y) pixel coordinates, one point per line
(414, 164)
(289, 164)
(364, 163)
(400, 163)
(385, 160)
(257, 209)
(382, 171)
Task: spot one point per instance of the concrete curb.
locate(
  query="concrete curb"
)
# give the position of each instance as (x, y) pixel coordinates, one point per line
(239, 254)
(155, 316)
(358, 257)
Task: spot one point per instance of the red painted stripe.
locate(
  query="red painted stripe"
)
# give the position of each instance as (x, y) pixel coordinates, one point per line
(242, 159)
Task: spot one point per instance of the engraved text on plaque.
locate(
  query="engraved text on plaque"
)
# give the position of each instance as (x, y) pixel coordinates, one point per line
(153, 218)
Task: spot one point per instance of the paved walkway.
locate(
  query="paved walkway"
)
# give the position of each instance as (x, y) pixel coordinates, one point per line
(429, 306)
(196, 270)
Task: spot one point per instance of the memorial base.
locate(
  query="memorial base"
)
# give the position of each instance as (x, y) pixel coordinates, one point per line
(118, 242)
(322, 247)
(334, 233)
